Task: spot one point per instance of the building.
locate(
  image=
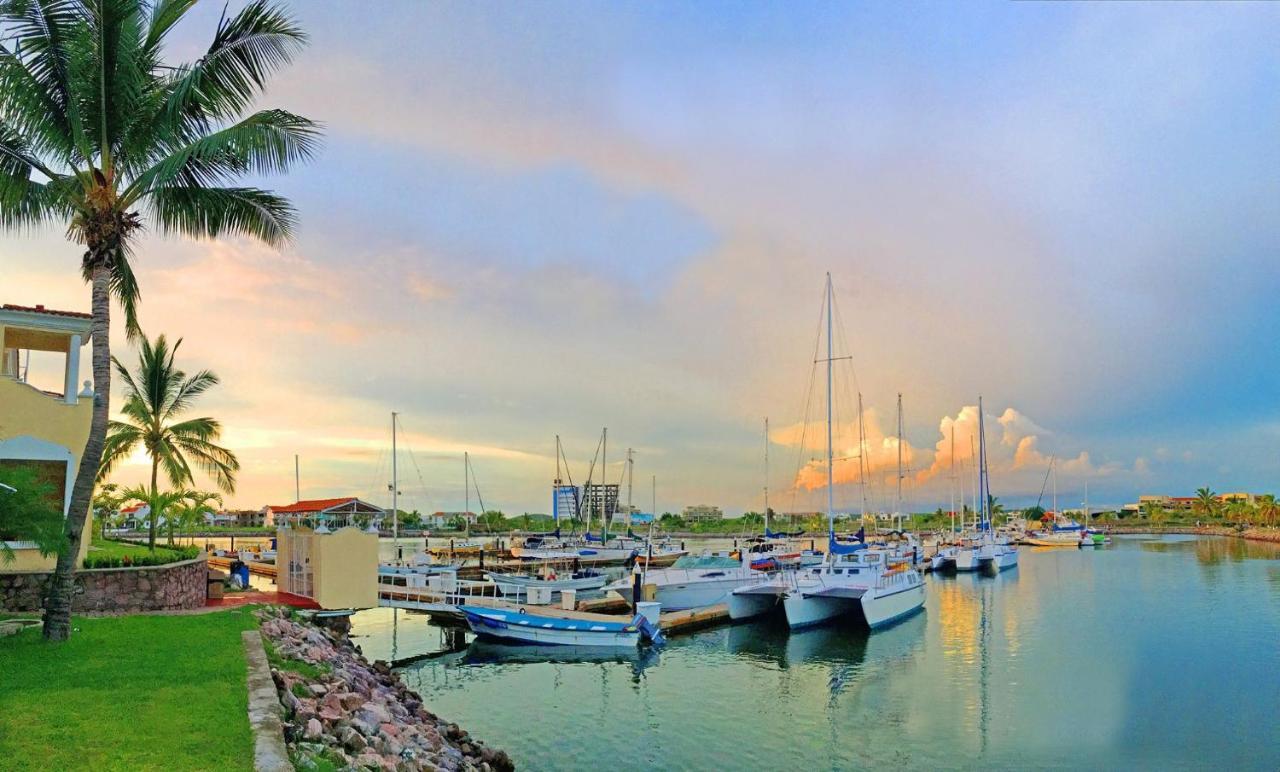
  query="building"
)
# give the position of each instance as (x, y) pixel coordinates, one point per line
(331, 513)
(135, 517)
(700, 512)
(44, 426)
(444, 519)
(219, 519)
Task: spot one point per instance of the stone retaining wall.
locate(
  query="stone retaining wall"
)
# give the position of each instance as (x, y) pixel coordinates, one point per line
(110, 590)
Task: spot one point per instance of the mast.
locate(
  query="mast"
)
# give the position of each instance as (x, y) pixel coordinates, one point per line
(863, 466)
(983, 482)
(766, 474)
(831, 518)
(395, 488)
(973, 459)
(297, 479)
(898, 505)
(953, 479)
(631, 466)
(1055, 492)
(604, 477)
(466, 493)
(1086, 505)
(555, 489)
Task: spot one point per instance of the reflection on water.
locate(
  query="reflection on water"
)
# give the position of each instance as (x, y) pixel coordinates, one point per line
(1134, 655)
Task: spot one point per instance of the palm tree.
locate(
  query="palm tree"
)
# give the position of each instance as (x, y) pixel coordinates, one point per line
(1268, 509)
(191, 510)
(156, 395)
(1206, 502)
(159, 502)
(99, 134)
(1152, 511)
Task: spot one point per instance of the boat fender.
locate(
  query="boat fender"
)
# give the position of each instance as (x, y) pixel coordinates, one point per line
(520, 610)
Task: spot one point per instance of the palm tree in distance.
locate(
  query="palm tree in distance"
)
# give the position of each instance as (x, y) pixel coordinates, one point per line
(1206, 502)
(156, 396)
(100, 135)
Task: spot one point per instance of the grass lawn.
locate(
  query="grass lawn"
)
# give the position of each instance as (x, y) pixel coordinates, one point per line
(139, 692)
(109, 548)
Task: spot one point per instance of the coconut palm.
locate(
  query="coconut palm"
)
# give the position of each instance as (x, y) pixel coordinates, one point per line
(160, 503)
(98, 133)
(1206, 502)
(190, 512)
(156, 396)
(1152, 511)
(1268, 509)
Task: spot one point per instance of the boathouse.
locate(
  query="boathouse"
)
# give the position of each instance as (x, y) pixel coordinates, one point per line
(322, 552)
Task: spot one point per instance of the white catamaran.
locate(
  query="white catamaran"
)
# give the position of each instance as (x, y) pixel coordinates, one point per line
(853, 578)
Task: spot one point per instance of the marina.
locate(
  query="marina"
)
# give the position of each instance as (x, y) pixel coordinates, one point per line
(981, 678)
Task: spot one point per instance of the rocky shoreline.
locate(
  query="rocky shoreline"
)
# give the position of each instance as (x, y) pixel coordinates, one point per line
(339, 710)
(1252, 534)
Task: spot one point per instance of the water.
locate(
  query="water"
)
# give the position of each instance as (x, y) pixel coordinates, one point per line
(1152, 653)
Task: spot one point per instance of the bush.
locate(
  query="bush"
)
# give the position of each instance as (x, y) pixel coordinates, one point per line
(160, 557)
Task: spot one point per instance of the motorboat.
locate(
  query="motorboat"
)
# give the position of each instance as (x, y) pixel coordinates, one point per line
(693, 581)
(547, 629)
(549, 578)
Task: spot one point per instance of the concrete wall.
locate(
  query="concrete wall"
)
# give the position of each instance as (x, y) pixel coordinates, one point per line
(105, 590)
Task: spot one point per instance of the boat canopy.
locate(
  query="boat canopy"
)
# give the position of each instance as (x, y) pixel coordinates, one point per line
(836, 548)
(783, 535)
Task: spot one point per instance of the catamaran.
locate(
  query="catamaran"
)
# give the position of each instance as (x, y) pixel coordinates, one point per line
(853, 578)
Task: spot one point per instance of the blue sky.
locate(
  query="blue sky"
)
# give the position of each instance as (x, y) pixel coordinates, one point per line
(541, 219)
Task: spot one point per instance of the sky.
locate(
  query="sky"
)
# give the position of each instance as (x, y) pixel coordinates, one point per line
(541, 220)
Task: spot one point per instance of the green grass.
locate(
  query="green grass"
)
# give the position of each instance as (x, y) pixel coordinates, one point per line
(305, 669)
(139, 692)
(119, 549)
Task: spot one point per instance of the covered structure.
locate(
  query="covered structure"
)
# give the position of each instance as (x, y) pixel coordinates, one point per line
(322, 553)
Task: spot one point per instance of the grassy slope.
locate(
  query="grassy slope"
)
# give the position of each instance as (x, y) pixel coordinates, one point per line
(141, 692)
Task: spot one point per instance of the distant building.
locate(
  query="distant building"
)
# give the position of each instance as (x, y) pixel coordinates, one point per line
(701, 512)
(443, 519)
(219, 519)
(333, 513)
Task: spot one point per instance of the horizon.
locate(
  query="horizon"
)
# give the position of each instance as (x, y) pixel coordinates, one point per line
(526, 225)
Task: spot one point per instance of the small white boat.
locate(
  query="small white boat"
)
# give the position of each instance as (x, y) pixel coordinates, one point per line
(514, 626)
(519, 584)
(693, 582)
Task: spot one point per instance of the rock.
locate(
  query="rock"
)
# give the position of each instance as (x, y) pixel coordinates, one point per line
(375, 711)
(352, 740)
(314, 729)
(318, 690)
(350, 701)
(389, 729)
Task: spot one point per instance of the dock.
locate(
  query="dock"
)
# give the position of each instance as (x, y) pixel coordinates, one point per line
(255, 567)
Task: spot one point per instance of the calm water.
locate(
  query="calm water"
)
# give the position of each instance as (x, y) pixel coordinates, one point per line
(1155, 653)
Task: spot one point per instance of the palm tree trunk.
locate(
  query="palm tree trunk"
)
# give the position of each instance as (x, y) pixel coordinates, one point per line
(57, 604)
(155, 511)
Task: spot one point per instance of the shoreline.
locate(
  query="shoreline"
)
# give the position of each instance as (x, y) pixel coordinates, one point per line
(343, 711)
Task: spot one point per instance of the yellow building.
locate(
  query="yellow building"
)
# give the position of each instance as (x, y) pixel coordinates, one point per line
(42, 429)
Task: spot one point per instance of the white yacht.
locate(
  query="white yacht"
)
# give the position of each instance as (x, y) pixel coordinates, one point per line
(694, 581)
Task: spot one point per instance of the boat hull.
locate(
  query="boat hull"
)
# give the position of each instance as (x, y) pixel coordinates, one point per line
(512, 584)
(546, 631)
(679, 593)
(807, 611)
(884, 609)
(1004, 559)
(750, 602)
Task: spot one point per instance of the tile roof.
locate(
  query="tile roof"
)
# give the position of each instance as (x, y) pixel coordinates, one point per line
(38, 309)
(312, 505)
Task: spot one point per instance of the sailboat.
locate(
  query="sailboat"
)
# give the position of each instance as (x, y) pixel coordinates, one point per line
(775, 550)
(985, 549)
(1057, 531)
(417, 568)
(853, 578)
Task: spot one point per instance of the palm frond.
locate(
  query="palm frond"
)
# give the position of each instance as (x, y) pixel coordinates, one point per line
(214, 460)
(36, 83)
(212, 212)
(122, 440)
(267, 142)
(190, 389)
(245, 51)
